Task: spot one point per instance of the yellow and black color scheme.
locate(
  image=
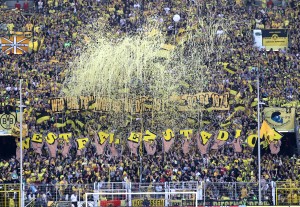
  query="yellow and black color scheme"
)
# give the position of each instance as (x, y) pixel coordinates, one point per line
(288, 193)
(10, 195)
(15, 44)
(275, 38)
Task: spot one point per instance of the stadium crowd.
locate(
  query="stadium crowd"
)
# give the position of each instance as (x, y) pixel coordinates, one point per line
(59, 23)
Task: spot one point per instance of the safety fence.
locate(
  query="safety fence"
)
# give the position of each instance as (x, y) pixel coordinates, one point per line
(9, 195)
(208, 193)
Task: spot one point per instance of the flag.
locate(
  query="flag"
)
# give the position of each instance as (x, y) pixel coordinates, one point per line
(16, 130)
(42, 119)
(36, 44)
(267, 136)
(269, 133)
(14, 44)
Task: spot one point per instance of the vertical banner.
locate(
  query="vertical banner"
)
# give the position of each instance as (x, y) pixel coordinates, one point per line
(257, 34)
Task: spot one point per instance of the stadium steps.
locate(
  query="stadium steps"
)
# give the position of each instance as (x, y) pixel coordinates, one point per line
(297, 131)
(60, 204)
(276, 2)
(11, 4)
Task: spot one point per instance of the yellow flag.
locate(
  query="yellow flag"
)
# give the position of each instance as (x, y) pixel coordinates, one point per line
(42, 119)
(269, 133)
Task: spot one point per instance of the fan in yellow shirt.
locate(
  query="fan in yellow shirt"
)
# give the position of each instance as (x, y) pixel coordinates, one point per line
(295, 200)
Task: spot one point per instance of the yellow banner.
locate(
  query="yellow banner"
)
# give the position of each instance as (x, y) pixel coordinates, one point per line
(153, 202)
(282, 119)
(275, 39)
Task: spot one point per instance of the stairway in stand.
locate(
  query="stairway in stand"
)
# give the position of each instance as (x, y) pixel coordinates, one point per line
(11, 4)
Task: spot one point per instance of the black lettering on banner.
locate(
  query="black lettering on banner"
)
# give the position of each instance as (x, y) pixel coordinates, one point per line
(38, 138)
(141, 104)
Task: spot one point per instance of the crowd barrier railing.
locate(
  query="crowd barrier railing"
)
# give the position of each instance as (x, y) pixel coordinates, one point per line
(208, 193)
(10, 194)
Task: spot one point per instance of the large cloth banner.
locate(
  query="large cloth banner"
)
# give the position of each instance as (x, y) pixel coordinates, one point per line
(102, 141)
(14, 44)
(282, 119)
(188, 102)
(275, 39)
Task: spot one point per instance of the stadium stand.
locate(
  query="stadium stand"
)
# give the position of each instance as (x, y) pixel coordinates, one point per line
(54, 29)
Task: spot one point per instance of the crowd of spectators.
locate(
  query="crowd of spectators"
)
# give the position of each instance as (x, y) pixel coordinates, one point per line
(61, 22)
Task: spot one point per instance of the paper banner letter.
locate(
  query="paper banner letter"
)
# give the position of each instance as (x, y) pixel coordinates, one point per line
(133, 142)
(251, 140)
(222, 136)
(202, 148)
(168, 140)
(51, 137)
(25, 146)
(38, 138)
(168, 135)
(111, 138)
(102, 137)
(25, 143)
(81, 143)
(99, 147)
(186, 133)
(205, 136)
(237, 133)
(149, 136)
(65, 136)
(134, 137)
